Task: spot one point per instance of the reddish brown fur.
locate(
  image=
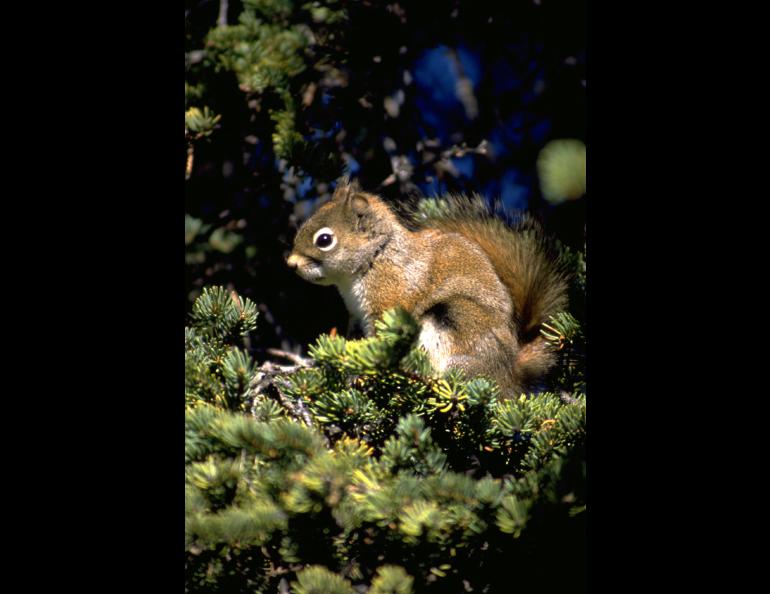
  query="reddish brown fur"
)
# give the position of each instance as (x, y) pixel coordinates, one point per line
(473, 284)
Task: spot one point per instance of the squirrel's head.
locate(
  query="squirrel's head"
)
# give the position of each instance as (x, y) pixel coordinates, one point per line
(339, 242)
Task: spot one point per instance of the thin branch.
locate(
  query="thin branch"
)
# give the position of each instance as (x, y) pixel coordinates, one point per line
(440, 158)
(464, 87)
(189, 165)
(195, 56)
(264, 382)
(294, 358)
(222, 18)
(566, 398)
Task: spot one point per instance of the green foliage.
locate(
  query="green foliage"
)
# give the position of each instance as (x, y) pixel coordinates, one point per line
(565, 333)
(201, 239)
(192, 228)
(319, 580)
(392, 579)
(216, 370)
(367, 471)
(264, 56)
(223, 315)
(199, 123)
(285, 138)
(268, 50)
(561, 168)
(394, 478)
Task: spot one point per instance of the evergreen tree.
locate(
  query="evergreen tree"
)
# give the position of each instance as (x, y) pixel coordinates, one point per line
(361, 469)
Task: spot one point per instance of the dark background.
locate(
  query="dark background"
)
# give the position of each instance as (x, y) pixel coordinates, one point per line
(107, 292)
(426, 98)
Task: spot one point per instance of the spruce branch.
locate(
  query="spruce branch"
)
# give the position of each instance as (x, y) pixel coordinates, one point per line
(353, 448)
(269, 380)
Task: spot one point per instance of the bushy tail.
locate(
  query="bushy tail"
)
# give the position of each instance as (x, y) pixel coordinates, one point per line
(525, 261)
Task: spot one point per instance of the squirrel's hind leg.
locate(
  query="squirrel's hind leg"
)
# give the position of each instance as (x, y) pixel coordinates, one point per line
(487, 349)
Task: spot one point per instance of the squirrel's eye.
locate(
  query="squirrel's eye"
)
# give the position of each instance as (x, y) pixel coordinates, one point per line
(324, 239)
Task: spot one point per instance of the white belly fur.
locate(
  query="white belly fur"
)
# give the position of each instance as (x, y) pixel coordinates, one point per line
(355, 302)
(437, 343)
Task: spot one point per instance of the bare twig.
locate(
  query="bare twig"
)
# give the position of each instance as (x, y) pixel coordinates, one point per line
(189, 166)
(195, 56)
(440, 158)
(294, 358)
(269, 371)
(566, 398)
(222, 18)
(304, 413)
(264, 382)
(464, 88)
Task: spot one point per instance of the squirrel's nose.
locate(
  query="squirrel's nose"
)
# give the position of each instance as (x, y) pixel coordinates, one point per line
(293, 261)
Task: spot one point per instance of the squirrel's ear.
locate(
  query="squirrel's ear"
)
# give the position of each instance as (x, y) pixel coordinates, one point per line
(360, 210)
(346, 188)
(358, 204)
